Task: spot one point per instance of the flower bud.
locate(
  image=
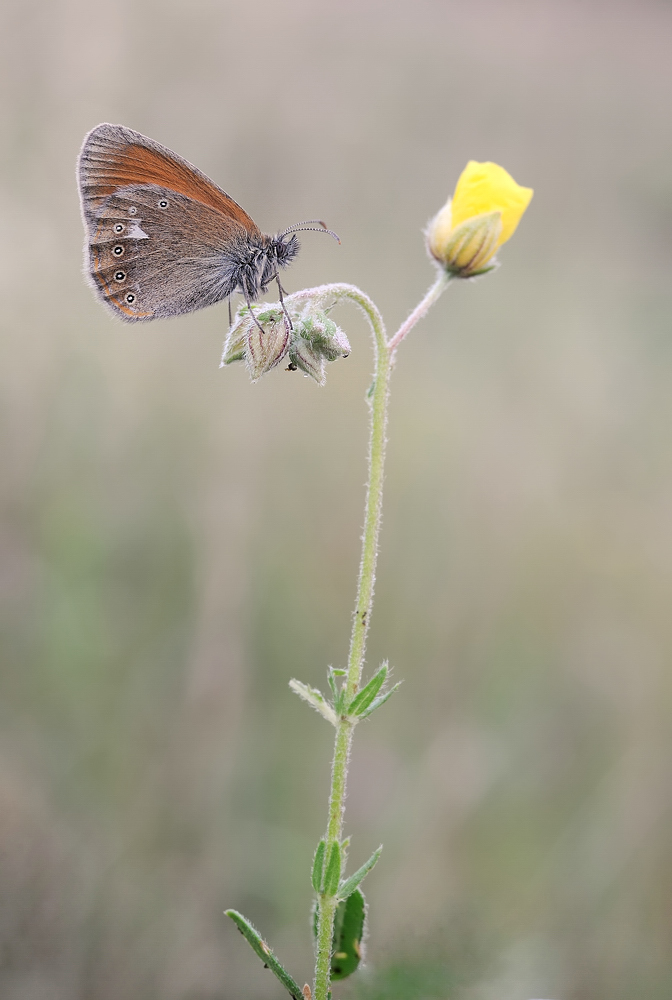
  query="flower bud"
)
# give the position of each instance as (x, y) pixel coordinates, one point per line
(267, 343)
(264, 337)
(315, 340)
(482, 215)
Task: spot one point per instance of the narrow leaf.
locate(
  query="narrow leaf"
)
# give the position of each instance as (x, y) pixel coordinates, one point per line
(348, 949)
(331, 677)
(350, 884)
(362, 700)
(318, 866)
(337, 690)
(332, 874)
(315, 699)
(265, 954)
(379, 701)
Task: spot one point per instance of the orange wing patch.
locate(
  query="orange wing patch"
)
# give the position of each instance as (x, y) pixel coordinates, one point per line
(109, 163)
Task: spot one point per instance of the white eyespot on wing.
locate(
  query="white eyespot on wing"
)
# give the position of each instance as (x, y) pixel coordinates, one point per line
(136, 233)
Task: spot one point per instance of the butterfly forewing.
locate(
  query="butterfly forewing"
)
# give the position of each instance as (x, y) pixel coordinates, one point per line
(113, 157)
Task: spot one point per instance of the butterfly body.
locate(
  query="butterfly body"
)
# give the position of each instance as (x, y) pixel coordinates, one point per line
(161, 238)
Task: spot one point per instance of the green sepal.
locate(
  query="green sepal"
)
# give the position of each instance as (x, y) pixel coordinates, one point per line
(484, 270)
(315, 699)
(318, 866)
(347, 950)
(234, 349)
(259, 946)
(349, 886)
(379, 701)
(332, 872)
(363, 699)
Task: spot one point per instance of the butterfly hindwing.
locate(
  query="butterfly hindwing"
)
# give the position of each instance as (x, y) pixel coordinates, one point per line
(152, 252)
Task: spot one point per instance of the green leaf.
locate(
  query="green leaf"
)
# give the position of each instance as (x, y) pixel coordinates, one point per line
(332, 874)
(318, 866)
(363, 699)
(347, 887)
(265, 954)
(348, 933)
(315, 699)
(379, 701)
(337, 691)
(347, 949)
(331, 677)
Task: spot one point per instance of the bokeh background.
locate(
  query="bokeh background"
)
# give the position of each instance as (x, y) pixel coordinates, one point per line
(177, 543)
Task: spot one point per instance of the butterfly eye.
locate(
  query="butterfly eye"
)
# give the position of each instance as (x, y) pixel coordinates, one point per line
(163, 203)
(130, 298)
(119, 275)
(132, 210)
(119, 228)
(118, 251)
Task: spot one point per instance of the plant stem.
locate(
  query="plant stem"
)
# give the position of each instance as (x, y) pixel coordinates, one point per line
(422, 308)
(384, 352)
(360, 624)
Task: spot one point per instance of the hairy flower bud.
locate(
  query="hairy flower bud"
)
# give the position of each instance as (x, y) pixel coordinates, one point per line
(259, 339)
(266, 343)
(264, 337)
(315, 340)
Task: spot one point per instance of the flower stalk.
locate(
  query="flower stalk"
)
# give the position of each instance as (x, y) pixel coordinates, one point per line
(462, 239)
(383, 355)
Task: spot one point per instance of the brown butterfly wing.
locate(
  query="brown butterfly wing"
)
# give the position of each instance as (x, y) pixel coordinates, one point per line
(162, 239)
(154, 253)
(113, 157)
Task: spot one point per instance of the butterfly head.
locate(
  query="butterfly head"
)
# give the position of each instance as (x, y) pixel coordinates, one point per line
(264, 259)
(284, 248)
(280, 251)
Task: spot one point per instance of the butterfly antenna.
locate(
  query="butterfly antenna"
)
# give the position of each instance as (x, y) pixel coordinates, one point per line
(309, 227)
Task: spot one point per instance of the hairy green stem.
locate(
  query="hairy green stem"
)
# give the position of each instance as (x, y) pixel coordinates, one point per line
(422, 308)
(379, 393)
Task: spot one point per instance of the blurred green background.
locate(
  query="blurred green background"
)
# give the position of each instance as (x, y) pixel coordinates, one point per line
(177, 543)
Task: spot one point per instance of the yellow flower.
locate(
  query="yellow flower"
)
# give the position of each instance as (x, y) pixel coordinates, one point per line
(482, 214)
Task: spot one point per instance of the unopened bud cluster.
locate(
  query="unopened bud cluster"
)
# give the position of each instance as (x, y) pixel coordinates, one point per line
(307, 340)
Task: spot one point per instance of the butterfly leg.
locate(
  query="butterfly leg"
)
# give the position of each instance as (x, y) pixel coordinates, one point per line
(249, 306)
(281, 291)
(230, 320)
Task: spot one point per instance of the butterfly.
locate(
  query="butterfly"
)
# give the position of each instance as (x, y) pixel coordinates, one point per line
(161, 238)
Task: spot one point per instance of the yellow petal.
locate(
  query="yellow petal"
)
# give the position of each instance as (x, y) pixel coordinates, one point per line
(486, 187)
